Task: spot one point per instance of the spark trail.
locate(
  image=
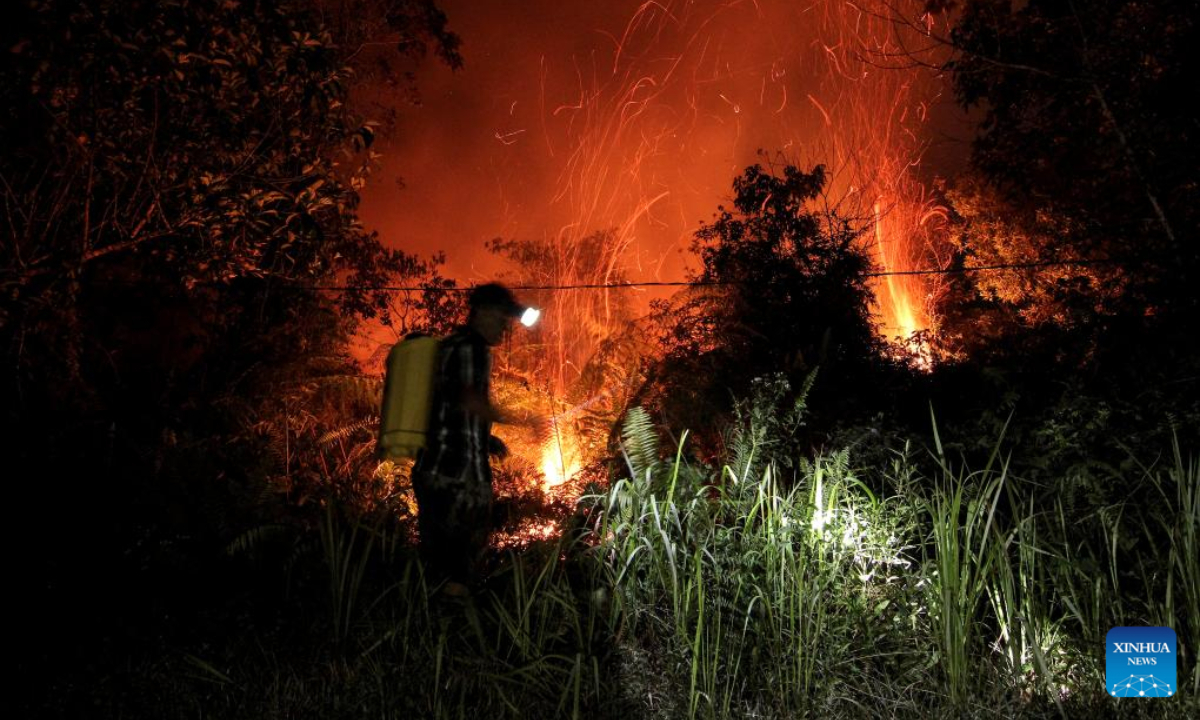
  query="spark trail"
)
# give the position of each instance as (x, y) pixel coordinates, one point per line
(652, 131)
(632, 118)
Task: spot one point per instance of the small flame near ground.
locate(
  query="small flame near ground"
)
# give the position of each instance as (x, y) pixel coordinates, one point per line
(532, 530)
(559, 457)
(560, 460)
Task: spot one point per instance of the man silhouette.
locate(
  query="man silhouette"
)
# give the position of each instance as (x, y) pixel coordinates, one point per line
(452, 478)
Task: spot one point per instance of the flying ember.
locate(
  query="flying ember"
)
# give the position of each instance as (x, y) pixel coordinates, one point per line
(607, 138)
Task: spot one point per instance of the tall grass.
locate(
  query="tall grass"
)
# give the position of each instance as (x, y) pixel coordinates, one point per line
(755, 586)
(346, 555)
(769, 587)
(962, 515)
(1179, 488)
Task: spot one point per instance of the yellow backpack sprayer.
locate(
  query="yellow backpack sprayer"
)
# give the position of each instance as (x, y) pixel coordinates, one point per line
(408, 389)
(407, 397)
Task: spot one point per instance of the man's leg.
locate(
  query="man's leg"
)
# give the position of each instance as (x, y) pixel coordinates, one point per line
(435, 510)
(476, 521)
(453, 519)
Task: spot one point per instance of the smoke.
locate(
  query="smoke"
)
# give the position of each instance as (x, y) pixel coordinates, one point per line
(569, 118)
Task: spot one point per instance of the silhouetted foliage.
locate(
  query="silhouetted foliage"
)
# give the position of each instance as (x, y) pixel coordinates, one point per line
(383, 41)
(1086, 153)
(175, 177)
(783, 290)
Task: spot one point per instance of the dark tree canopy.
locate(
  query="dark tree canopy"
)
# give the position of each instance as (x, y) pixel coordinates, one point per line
(1086, 151)
(783, 289)
(193, 142)
(175, 176)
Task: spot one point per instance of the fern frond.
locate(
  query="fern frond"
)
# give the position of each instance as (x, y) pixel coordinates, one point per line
(800, 406)
(640, 441)
(369, 424)
(352, 393)
(326, 363)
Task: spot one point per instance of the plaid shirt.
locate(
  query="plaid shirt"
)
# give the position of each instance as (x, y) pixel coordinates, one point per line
(458, 439)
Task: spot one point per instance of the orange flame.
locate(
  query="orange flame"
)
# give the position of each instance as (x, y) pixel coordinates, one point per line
(906, 236)
(902, 315)
(531, 531)
(560, 460)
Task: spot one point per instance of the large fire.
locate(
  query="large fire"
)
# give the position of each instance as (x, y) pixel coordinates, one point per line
(905, 300)
(630, 119)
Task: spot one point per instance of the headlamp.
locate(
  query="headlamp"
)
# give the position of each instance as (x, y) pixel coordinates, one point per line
(530, 316)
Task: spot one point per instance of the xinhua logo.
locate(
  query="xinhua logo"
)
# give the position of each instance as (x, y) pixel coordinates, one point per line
(1140, 662)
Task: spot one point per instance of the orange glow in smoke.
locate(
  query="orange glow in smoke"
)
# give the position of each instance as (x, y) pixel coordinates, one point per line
(631, 119)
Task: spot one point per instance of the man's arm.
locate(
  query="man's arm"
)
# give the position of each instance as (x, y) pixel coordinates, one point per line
(472, 398)
(476, 403)
(479, 404)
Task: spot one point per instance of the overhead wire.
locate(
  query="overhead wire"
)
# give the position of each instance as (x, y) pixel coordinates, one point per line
(704, 283)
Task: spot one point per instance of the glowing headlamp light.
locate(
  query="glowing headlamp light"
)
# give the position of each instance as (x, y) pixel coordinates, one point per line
(530, 316)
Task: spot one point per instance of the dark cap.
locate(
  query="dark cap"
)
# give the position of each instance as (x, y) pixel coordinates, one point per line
(495, 295)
